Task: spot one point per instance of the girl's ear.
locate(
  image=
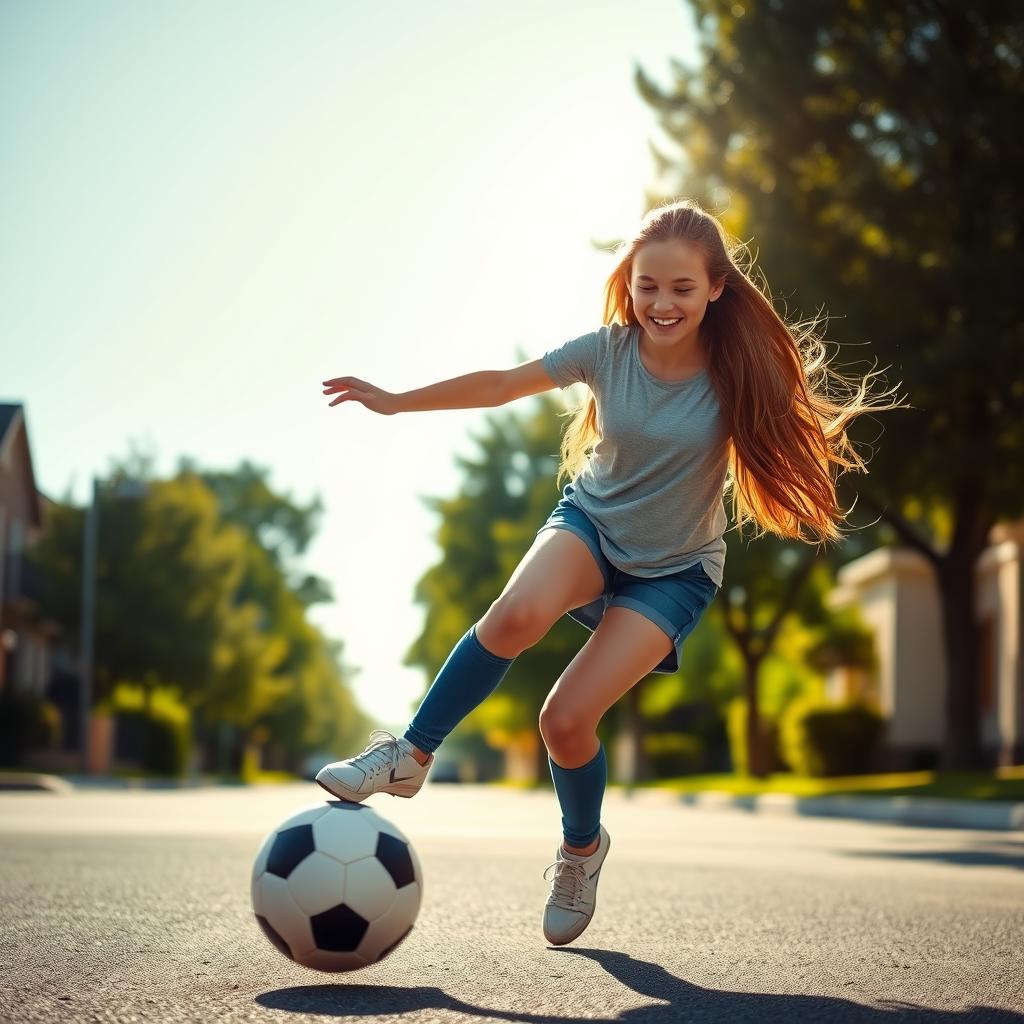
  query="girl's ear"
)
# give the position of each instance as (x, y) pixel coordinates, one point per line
(716, 291)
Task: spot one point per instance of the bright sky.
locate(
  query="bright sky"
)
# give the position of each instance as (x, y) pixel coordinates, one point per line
(206, 209)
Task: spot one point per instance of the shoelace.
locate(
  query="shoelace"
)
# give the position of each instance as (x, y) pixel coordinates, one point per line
(382, 752)
(570, 877)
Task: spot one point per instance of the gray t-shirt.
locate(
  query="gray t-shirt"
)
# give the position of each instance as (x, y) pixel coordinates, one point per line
(653, 484)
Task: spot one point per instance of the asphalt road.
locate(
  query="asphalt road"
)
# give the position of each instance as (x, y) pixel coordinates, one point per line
(133, 906)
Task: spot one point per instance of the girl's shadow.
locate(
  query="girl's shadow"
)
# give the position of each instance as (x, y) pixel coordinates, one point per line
(679, 1000)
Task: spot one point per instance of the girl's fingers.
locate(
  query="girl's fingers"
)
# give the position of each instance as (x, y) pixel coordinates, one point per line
(350, 394)
(352, 388)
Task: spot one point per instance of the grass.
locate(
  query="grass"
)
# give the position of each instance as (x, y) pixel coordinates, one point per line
(1003, 784)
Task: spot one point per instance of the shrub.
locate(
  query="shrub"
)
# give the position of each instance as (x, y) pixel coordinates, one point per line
(673, 753)
(160, 741)
(821, 738)
(27, 722)
(159, 744)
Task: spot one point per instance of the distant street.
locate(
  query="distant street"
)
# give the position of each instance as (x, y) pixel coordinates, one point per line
(134, 905)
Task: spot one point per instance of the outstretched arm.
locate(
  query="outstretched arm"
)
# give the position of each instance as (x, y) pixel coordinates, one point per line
(479, 390)
(471, 391)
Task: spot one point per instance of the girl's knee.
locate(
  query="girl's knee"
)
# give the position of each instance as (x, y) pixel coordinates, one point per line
(563, 728)
(509, 627)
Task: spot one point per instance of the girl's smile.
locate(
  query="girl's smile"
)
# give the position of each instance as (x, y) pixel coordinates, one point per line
(670, 290)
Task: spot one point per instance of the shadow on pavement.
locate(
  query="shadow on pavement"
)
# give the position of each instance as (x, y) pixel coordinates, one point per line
(679, 1000)
(995, 854)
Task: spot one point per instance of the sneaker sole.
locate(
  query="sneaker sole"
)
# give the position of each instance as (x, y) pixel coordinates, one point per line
(342, 792)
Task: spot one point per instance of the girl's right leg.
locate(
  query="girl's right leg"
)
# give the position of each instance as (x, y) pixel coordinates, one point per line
(557, 574)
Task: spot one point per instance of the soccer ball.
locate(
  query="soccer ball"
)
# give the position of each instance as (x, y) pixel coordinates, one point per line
(336, 886)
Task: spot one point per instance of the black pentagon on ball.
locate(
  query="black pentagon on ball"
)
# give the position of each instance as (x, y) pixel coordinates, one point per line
(394, 855)
(338, 930)
(268, 930)
(291, 847)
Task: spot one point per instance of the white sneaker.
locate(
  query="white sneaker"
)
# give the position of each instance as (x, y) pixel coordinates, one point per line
(573, 897)
(385, 765)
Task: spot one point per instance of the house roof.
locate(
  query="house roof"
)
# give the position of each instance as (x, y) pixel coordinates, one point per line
(7, 416)
(12, 424)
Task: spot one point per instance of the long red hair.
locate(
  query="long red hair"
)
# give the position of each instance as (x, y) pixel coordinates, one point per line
(787, 433)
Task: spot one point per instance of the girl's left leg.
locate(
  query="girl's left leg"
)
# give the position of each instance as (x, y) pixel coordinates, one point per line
(621, 651)
(624, 648)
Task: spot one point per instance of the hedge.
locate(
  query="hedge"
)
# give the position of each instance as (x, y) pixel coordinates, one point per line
(822, 738)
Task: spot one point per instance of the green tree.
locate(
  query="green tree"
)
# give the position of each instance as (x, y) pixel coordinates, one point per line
(189, 599)
(774, 582)
(279, 527)
(306, 706)
(873, 150)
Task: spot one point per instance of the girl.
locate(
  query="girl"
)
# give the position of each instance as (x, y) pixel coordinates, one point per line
(697, 386)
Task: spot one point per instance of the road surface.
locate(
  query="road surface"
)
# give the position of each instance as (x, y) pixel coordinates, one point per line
(134, 906)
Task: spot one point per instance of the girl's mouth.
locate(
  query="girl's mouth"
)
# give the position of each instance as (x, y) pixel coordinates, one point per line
(666, 325)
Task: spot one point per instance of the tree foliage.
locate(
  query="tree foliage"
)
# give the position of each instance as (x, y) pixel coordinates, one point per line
(191, 593)
(873, 151)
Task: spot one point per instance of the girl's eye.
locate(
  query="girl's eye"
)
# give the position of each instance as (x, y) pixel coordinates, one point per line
(679, 291)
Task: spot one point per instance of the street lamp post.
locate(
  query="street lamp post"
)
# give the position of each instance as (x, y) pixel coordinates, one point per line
(92, 516)
(125, 489)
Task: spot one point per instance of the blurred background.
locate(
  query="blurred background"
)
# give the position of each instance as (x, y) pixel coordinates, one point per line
(207, 210)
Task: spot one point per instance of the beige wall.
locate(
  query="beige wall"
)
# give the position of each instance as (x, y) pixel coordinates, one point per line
(897, 594)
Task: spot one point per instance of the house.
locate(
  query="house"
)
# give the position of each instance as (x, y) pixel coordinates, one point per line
(24, 639)
(897, 594)
(34, 659)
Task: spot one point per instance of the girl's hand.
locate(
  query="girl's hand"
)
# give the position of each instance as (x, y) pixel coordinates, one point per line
(353, 388)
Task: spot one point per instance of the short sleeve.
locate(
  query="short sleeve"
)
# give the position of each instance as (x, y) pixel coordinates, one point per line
(576, 360)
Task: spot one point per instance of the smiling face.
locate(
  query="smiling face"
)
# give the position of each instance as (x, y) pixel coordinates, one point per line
(669, 283)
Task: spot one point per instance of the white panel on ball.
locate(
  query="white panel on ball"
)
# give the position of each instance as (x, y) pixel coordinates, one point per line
(347, 835)
(318, 883)
(285, 915)
(386, 930)
(369, 890)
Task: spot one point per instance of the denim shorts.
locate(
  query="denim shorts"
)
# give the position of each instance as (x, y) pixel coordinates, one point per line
(674, 602)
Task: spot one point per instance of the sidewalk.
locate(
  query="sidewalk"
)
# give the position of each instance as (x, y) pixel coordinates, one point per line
(997, 815)
(67, 785)
(1000, 815)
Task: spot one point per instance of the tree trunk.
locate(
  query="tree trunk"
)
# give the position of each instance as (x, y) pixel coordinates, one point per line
(635, 727)
(756, 761)
(961, 749)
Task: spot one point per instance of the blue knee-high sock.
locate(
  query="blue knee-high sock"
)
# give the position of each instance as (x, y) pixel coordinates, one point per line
(470, 674)
(580, 792)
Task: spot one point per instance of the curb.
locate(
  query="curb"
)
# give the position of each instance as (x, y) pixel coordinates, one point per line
(69, 784)
(35, 781)
(998, 815)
